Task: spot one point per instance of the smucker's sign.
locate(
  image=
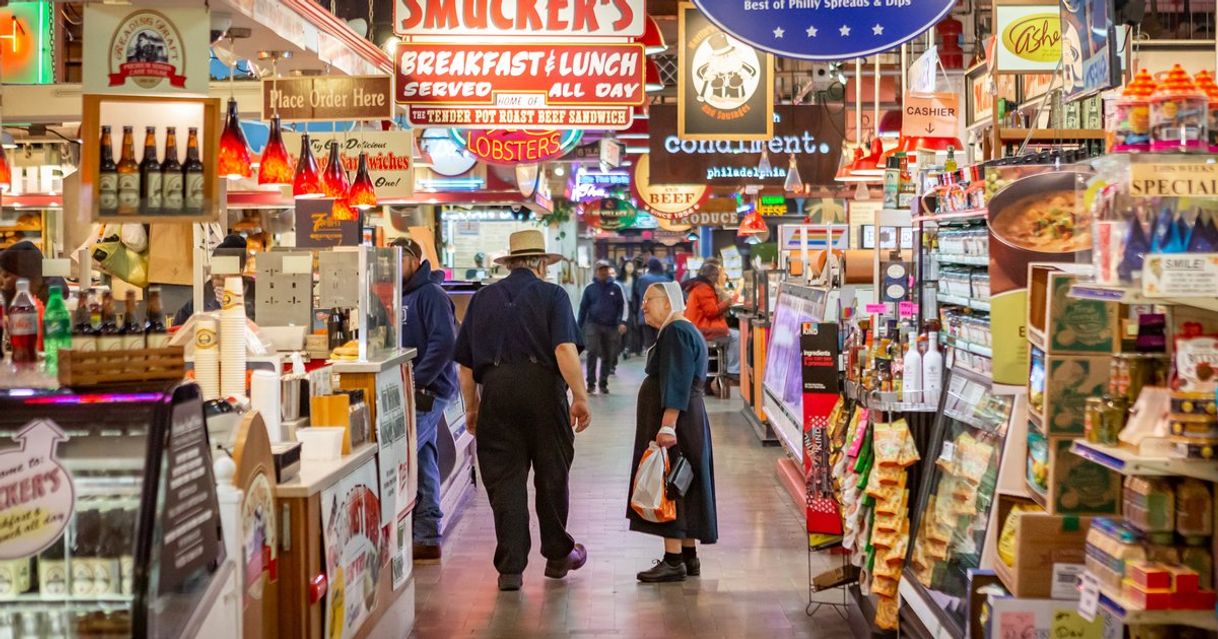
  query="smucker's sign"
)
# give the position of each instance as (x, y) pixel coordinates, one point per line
(136, 50)
(548, 18)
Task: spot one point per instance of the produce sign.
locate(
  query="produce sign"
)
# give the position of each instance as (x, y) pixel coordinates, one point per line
(538, 18)
(520, 86)
(516, 146)
(826, 29)
(671, 201)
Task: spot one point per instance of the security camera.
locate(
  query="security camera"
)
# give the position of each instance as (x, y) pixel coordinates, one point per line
(220, 22)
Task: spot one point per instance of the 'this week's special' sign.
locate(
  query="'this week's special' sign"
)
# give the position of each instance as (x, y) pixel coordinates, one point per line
(520, 85)
(537, 18)
(1173, 180)
(390, 157)
(334, 97)
(825, 29)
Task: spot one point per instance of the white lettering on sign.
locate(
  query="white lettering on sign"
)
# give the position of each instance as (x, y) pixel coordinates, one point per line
(616, 18)
(804, 143)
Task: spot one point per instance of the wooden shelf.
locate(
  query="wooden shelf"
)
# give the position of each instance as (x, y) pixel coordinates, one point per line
(1012, 134)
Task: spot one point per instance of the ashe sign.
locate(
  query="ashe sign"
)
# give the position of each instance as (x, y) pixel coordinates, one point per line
(1031, 38)
(559, 86)
(812, 133)
(537, 18)
(334, 97)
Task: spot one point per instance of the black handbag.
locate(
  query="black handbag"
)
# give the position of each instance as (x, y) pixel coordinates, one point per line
(680, 476)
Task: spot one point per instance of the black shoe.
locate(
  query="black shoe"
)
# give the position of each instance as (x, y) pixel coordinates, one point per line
(591, 389)
(509, 583)
(604, 389)
(558, 568)
(663, 572)
(693, 566)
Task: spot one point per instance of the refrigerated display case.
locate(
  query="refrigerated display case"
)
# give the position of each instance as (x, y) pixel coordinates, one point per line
(958, 491)
(109, 519)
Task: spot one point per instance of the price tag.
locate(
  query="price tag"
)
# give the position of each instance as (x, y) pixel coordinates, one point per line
(948, 453)
(1065, 580)
(1089, 597)
(908, 309)
(877, 309)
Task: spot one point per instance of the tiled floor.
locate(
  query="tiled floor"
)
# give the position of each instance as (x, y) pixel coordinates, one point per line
(753, 581)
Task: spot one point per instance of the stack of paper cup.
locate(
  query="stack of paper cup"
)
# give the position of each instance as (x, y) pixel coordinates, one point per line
(207, 357)
(232, 338)
(265, 392)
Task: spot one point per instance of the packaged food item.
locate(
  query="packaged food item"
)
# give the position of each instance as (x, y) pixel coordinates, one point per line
(1198, 556)
(1006, 539)
(1178, 115)
(1150, 504)
(1194, 509)
(1205, 82)
(1110, 545)
(1131, 115)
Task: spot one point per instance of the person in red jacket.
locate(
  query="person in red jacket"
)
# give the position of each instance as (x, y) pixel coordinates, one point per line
(707, 306)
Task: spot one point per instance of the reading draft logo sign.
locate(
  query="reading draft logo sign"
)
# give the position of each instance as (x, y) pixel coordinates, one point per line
(147, 49)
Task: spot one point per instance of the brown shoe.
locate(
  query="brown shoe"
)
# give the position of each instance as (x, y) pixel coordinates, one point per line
(425, 554)
(558, 568)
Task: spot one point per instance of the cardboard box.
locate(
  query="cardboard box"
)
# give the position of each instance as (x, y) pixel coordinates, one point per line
(1048, 551)
(1020, 617)
(1066, 484)
(1060, 324)
(1058, 388)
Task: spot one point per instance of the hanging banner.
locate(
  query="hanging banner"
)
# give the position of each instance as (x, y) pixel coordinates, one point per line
(26, 43)
(390, 157)
(329, 97)
(828, 30)
(726, 88)
(1089, 59)
(520, 86)
(811, 133)
(352, 536)
(670, 201)
(818, 356)
(1029, 37)
(529, 18)
(510, 147)
(135, 50)
(935, 115)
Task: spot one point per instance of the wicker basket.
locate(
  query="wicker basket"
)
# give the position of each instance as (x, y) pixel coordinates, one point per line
(79, 369)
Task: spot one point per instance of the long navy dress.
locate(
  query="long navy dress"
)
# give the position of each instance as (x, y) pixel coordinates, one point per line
(676, 368)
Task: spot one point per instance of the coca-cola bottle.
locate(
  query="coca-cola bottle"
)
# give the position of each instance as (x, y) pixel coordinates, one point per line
(23, 325)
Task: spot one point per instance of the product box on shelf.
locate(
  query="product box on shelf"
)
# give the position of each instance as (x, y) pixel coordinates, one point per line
(1046, 551)
(1022, 617)
(1066, 483)
(1060, 324)
(1058, 388)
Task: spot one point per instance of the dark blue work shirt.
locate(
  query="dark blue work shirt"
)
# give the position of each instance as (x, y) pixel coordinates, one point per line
(516, 320)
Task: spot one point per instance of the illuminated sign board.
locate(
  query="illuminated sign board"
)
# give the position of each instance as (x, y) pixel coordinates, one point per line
(772, 205)
(507, 18)
(516, 146)
(26, 30)
(672, 201)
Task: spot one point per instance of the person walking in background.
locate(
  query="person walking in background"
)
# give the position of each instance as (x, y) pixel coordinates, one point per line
(620, 346)
(671, 412)
(707, 308)
(429, 326)
(518, 350)
(655, 275)
(601, 318)
(632, 343)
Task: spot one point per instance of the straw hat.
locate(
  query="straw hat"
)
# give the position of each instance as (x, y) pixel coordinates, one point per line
(527, 244)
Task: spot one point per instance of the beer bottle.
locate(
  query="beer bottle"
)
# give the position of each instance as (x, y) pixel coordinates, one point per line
(133, 333)
(107, 176)
(128, 176)
(155, 335)
(151, 189)
(192, 174)
(110, 337)
(84, 337)
(171, 175)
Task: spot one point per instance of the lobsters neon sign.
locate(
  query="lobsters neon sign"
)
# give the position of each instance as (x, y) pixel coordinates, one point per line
(516, 146)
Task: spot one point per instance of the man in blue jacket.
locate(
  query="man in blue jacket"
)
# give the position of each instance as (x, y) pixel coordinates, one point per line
(655, 275)
(428, 325)
(603, 321)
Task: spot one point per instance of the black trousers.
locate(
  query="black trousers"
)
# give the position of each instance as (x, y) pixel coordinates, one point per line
(602, 343)
(524, 422)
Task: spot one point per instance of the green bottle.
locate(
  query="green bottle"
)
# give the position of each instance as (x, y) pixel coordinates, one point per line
(56, 329)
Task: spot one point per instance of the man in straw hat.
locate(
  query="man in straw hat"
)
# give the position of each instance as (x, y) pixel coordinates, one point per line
(518, 356)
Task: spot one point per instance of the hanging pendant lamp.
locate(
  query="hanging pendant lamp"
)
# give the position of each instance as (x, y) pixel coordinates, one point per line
(233, 158)
(275, 167)
(764, 167)
(334, 184)
(793, 183)
(362, 195)
(866, 167)
(307, 181)
(653, 82)
(6, 172)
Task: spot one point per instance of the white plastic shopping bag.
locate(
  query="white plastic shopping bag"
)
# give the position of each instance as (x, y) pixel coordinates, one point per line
(649, 498)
